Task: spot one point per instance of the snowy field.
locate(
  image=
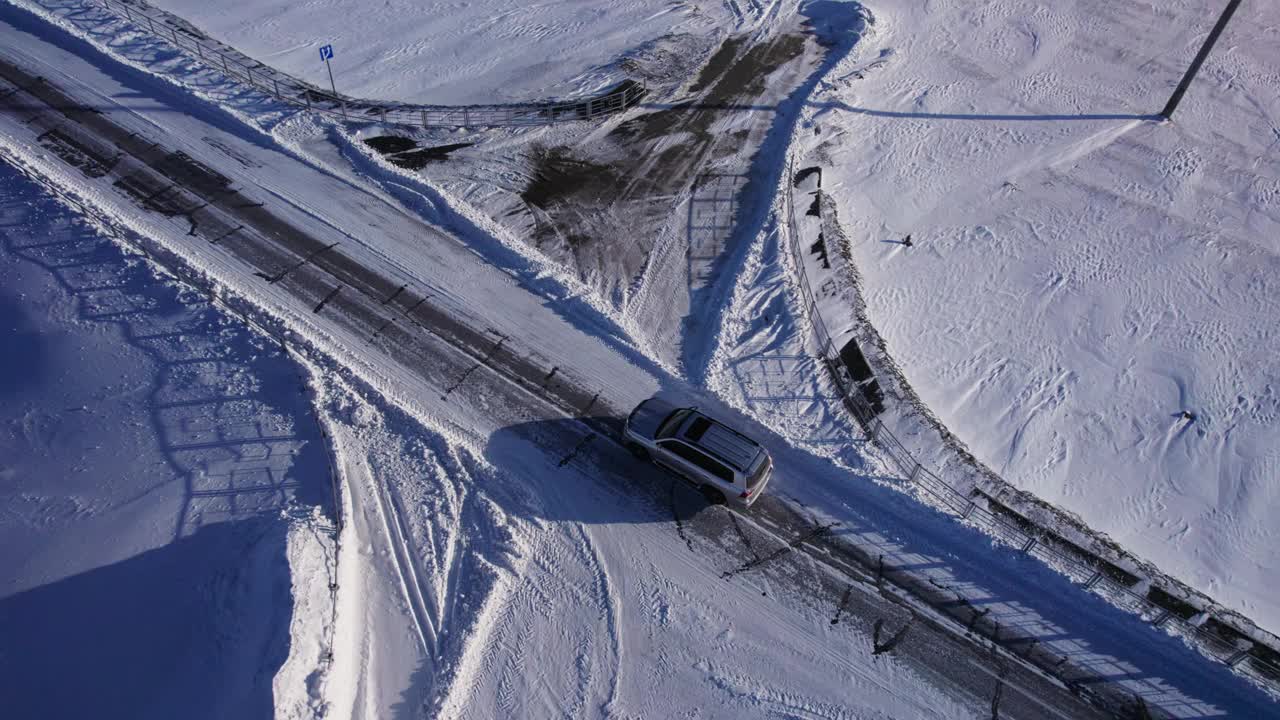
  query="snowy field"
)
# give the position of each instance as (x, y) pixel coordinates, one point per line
(498, 562)
(1081, 275)
(149, 447)
(452, 53)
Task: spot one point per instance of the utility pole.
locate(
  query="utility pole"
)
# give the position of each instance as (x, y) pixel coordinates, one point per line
(1178, 92)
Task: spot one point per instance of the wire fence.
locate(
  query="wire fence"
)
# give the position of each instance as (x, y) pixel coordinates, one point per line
(292, 91)
(1214, 637)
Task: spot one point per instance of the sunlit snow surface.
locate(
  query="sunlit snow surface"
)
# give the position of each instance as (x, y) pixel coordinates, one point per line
(450, 52)
(623, 620)
(1080, 274)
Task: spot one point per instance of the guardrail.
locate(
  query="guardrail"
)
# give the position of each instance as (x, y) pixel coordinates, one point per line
(295, 92)
(1213, 637)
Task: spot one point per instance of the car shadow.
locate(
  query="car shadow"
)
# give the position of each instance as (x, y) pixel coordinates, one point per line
(578, 471)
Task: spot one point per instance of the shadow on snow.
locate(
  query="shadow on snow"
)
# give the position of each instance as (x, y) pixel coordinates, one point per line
(196, 627)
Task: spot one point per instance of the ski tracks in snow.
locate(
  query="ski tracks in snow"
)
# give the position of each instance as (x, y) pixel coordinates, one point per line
(565, 610)
(401, 554)
(423, 520)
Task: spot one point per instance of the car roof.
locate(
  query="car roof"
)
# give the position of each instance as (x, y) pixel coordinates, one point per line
(725, 443)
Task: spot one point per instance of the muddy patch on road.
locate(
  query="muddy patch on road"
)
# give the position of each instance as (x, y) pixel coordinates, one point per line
(562, 172)
(603, 206)
(404, 152)
(618, 209)
(562, 188)
(733, 78)
(559, 177)
(718, 63)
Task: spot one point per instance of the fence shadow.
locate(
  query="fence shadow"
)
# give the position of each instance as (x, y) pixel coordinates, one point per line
(829, 106)
(713, 208)
(215, 405)
(823, 107)
(198, 626)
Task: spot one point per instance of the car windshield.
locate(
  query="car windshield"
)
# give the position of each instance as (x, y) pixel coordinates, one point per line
(668, 426)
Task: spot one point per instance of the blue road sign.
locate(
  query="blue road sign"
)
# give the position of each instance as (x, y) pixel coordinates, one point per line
(326, 52)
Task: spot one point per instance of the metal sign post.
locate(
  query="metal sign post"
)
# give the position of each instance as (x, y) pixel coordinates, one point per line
(326, 52)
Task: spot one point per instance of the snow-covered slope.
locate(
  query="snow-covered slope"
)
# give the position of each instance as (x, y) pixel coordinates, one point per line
(1080, 274)
(449, 52)
(148, 448)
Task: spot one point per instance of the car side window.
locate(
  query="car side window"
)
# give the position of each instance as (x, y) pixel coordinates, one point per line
(701, 460)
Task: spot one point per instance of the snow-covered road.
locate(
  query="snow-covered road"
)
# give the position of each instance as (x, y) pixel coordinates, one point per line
(487, 417)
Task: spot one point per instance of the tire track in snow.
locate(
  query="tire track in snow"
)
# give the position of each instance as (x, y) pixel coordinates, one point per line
(393, 531)
(588, 659)
(610, 604)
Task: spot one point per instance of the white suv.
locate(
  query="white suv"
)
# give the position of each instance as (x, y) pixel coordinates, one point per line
(723, 463)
